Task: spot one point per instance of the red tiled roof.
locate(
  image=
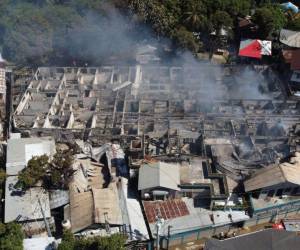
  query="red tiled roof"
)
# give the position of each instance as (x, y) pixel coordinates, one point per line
(166, 209)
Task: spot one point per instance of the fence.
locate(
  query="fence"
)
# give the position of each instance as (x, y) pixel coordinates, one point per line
(200, 233)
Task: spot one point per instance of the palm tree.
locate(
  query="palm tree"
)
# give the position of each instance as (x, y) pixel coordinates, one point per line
(193, 16)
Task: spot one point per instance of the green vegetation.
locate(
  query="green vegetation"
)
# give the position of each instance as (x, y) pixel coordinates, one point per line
(294, 24)
(51, 174)
(34, 172)
(68, 32)
(269, 18)
(114, 242)
(11, 236)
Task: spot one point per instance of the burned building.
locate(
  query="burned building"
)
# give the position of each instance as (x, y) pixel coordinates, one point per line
(217, 126)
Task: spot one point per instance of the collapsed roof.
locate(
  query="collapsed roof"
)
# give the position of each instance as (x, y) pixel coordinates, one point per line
(275, 174)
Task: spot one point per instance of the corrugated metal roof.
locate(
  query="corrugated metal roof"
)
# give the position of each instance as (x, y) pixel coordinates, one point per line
(24, 205)
(59, 198)
(89, 202)
(290, 38)
(276, 174)
(106, 202)
(159, 174)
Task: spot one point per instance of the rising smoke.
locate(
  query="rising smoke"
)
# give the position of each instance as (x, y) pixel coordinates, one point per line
(112, 38)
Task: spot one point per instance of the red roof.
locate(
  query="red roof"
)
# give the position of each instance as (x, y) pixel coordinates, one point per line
(166, 209)
(250, 48)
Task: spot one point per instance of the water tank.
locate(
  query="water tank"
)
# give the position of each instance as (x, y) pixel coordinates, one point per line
(66, 224)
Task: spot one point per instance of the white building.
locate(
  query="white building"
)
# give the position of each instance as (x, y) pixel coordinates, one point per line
(26, 207)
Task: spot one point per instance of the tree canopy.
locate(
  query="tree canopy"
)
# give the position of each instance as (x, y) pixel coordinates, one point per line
(269, 18)
(51, 174)
(11, 236)
(64, 32)
(113, 242)
(294, 24)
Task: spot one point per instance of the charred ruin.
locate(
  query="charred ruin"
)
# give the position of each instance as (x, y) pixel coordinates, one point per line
(191, 135)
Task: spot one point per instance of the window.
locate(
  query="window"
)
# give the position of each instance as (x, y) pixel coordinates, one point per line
(279, 192)
(159, 197)
(271, 193)
(255, 195)
(187, 194)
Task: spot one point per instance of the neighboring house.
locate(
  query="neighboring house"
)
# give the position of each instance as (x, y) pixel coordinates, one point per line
(26, 207)
(276, 187)
(91, 207)
(269, 239)
(290, 38)
(184, 222)
(292, 57)
(159, 180)
(21, 150)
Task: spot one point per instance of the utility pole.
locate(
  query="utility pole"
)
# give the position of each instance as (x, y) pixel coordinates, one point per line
(45, 220)
(158, 224)
(169, 232)
(157, 235)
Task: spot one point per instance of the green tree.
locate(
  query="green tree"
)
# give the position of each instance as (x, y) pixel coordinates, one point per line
(294, 24)
(34, 172)
(60, 170)
(156, 14)
(221, 19)
(54, 173)
(63, 19)
(237, 7)
(185, 39)
(194, 15)
(68, 241)
(28, 35)
(11, 236)
(113, 242)
(269, 18)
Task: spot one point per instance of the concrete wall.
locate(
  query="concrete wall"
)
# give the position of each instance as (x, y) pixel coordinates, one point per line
(22, 102)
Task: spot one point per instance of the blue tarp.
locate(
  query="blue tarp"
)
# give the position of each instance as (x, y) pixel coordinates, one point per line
(121, 167)
(290, 6)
